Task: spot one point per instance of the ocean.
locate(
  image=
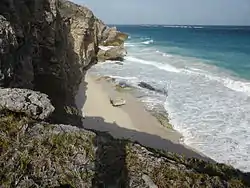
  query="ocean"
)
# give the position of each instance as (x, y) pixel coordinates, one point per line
(206, 71)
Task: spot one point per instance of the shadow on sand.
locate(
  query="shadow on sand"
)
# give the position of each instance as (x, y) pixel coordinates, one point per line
(111, 165)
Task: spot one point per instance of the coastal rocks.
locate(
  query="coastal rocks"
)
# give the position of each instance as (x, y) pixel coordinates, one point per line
(47, 45)
(112, 37)
(163, 119)
(7, 43)
(151, 88)
(148, 181)
(113, 53)
(33, 104)
(117, 101)
(112, 45)
(34, 153)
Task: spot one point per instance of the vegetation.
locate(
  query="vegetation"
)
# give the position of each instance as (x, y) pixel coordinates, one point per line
(36, 154)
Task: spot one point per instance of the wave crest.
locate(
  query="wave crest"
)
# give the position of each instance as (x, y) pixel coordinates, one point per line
(148, 42)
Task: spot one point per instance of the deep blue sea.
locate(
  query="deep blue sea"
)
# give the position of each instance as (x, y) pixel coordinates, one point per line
(206, 70)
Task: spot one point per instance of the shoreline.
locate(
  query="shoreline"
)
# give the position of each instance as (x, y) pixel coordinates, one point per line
(130, 121)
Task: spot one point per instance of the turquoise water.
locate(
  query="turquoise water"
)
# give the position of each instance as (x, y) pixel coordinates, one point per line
(227, 47)
(206, 71)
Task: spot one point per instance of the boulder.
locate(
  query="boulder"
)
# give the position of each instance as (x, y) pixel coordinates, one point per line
(148, 181)
(33, 104)
(112, 37)
(117, 101)
(151, 88)
(114, 53)
(123, 84)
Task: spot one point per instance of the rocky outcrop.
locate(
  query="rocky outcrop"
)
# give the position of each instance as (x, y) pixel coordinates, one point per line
(112, 45)
(46, 45)
(112, 37)
(151, 88)
(33, 104)
(50, 41)
(117, 101)
(113, 53)
(38, 154)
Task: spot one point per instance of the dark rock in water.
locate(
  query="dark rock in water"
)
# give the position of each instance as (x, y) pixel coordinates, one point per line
(123, 84)
(33, 104)
(119, 63)
(151, 88)
(146, 86)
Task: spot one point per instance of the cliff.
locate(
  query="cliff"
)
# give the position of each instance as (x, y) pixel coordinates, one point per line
(45, 48)
(50, 41)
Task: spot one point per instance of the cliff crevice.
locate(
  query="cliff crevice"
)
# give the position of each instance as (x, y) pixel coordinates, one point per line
(46, 45)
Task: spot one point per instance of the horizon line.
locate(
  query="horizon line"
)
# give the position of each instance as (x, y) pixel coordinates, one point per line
(183, 25)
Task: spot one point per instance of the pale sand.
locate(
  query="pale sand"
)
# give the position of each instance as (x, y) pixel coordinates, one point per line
(130, 121)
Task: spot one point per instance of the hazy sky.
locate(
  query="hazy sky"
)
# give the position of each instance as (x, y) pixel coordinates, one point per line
(206, 12)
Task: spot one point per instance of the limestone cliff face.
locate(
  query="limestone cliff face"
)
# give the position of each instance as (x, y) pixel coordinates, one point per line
(45, 45)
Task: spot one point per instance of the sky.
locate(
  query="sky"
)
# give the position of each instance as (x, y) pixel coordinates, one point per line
(182, 12)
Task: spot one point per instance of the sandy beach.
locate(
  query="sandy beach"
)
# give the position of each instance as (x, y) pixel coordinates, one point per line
(130, 121)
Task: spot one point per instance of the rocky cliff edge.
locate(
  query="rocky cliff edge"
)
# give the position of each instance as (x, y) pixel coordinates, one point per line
(45, 47)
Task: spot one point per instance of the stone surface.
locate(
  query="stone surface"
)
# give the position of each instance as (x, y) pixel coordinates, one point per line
(34, 104)
(117, 101)
(151, 88)
(46, 45)
(38, 154)
(112, 37)
(148, 181)
(115, 53)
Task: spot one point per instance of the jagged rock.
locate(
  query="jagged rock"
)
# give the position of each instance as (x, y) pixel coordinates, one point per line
(112, 37)
(34, 104)
(46, 45)
(119, 63)
(7, 42)
(117, 101)
(114, 53)
(57, 155)
(148, 181)
(151, 88)
(123, 84)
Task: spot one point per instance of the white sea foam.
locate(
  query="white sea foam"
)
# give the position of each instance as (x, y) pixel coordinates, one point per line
(183, 26)
(208, 106)
(148, 42)
(165, 67)
(129, 45)
(105, 48)
(239, 86)
(163, 54)
(124, 77)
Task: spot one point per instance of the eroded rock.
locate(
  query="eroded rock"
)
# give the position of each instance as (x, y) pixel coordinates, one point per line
(148, 181)
(117, 101)
(112, 37)
(34, 104)
(114, 53)
(151, 88)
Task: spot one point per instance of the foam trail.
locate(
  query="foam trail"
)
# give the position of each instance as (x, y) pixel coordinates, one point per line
(129, 45)
(238, 86)
(125, 77)
(148, 42)
(163, 54)
(165, 67)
